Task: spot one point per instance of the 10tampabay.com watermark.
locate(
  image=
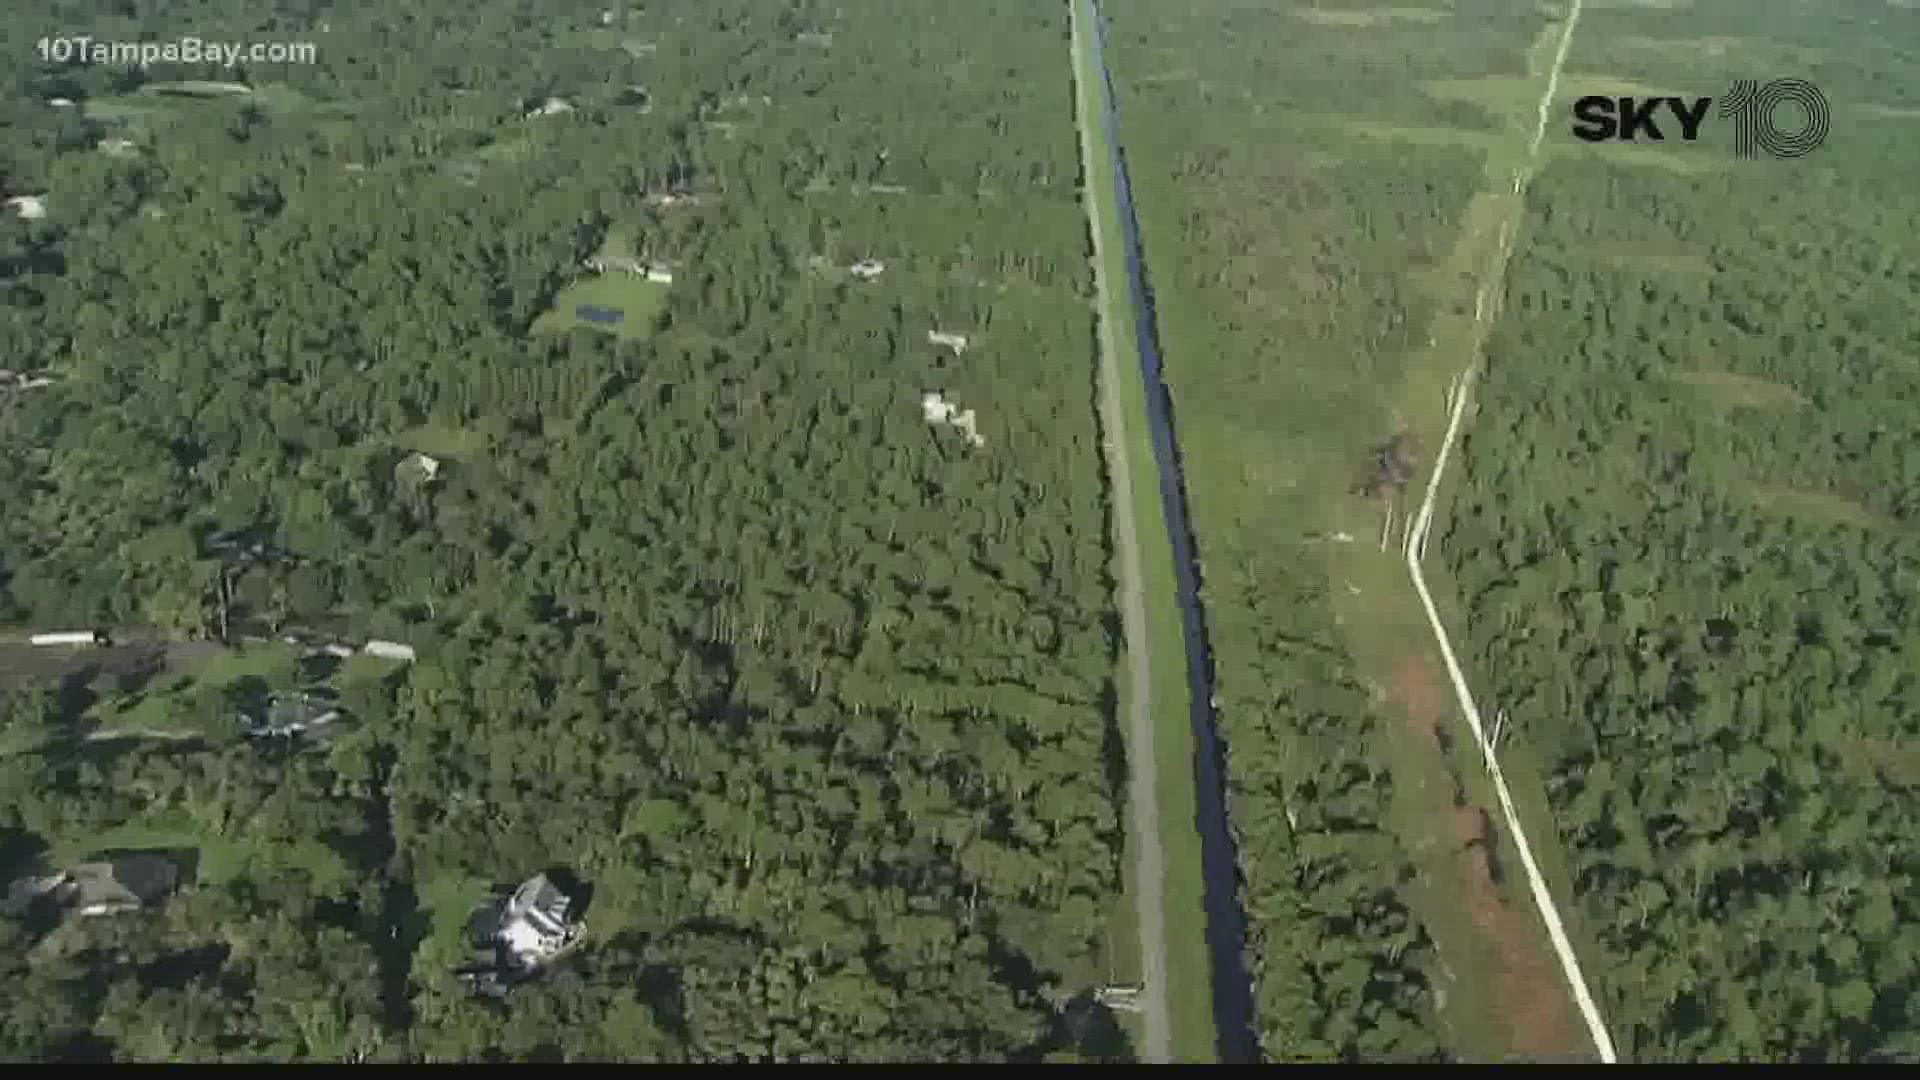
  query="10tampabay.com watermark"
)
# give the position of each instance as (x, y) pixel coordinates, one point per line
(85, 49)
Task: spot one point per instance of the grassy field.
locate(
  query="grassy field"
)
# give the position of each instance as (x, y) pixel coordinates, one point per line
(227, 848)
(1822, 507)
(197, 88)
(1189, 969)
(1491, 940)
(169, 696)
(1373, 17)
(446, 902)
(224, 852)
(1726, 390)
(642, 300)
(441, 440)
(1501, 992)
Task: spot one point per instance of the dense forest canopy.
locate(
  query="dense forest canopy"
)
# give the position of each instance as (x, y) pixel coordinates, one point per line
(808, 701)
(810, 695)
(1687, 548)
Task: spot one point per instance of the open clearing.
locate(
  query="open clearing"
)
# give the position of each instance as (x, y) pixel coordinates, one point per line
(445, 903)
(640, 299)
(1375, 17)
(1516, 98)
(1727, 390)
(441, 440)
(1459, 861)
(226, 851)
(1816, 506)
(1505, 992)
(1672, 257)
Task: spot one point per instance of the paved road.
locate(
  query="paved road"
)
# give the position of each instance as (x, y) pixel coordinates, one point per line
(1150, 866)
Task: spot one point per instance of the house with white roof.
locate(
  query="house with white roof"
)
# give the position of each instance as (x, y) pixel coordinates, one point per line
(515, 936)
(28, 206)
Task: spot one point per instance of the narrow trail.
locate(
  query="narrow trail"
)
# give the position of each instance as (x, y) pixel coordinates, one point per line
(1150, 867)
(1416, 544)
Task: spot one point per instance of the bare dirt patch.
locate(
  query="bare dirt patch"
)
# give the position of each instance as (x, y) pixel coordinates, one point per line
(1523, 987)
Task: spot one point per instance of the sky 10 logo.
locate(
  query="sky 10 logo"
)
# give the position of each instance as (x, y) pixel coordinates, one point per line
(1756, 109)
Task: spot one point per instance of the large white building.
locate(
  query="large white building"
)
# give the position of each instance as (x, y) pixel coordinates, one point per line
(533, 924)
(515, 936)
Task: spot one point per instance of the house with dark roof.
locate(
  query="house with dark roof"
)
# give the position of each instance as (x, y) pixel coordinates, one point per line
(112, 883)
(307, 713)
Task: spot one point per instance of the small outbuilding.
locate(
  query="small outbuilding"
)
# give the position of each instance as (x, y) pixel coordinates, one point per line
(956, 342)
(553, 106)
(418, 468)
(69, 637)
(388, 650)
(28, 206)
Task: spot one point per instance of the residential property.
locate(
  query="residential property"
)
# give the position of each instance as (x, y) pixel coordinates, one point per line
(60, 102)
(20, 380)
(27, 206)
(125, 881)
(553, 106)
(69, 637)
(249, 544)
(938, 410)
(418, 468)
(623, 264)
(936, 407)
(516, 935)
(116, 147)
(956, 342)
(867, 269)
(388, 650)
(659, 275)
(283, 715)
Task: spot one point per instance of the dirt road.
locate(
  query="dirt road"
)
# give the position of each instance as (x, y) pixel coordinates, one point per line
(1416, 546)
(1144, 807)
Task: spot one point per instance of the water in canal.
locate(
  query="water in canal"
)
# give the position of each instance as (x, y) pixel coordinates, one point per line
(1226, 923)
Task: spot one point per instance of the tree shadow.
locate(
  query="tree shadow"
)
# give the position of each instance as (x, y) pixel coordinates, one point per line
(1089, 1031)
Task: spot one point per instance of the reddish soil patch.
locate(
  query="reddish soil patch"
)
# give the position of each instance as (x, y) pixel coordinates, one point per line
(1529, 990)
